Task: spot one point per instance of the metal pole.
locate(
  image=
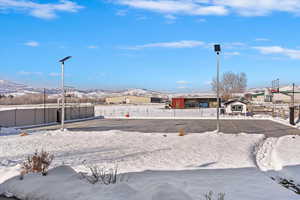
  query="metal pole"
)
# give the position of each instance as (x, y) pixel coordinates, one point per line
(218, 90)
(44, 105)
(293, 95)
(63, 97)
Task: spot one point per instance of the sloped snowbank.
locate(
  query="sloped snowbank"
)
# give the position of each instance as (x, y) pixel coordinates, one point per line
(276, 153)
(199, 163)
(64, 183)
(9, 131)
(279, 158)
(288, 150)
(266, 156)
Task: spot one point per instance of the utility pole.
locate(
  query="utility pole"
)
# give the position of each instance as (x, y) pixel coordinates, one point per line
(62, 61)
(44, 105)
(63, 96)
(293, 95)
(292, 107)
(218, 50)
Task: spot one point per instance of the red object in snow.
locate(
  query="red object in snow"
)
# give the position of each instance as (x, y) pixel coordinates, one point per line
(127, 115)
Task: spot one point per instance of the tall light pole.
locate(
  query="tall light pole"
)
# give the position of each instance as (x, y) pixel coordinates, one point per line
(62, 61)
(217, 48)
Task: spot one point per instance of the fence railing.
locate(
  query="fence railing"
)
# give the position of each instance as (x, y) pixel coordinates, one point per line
(36, 116)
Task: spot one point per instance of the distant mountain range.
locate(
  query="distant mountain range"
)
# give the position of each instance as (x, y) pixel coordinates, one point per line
(17, 89)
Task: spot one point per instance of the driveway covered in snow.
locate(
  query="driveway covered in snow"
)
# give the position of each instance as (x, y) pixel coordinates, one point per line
(267, 127)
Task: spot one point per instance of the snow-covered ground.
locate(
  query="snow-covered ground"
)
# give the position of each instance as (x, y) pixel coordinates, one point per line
(158, 111)
(151, 111)
(156, 166)
(9, 131)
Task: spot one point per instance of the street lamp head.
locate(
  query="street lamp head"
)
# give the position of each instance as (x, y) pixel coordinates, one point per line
(217, 48)
(64, 59)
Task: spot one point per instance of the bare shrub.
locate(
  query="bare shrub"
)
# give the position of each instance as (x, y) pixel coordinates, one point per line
(181, 132)
(210, 196)
(230, 83)
(39, 98)
(101, 175)
(39, 162)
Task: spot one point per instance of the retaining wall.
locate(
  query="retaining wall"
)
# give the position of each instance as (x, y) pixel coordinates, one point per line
(37, 116)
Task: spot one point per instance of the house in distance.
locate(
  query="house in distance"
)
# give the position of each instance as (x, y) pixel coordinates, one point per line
(236, 106)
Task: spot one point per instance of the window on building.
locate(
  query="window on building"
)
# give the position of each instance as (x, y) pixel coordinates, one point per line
(204, 105)
(237, 108)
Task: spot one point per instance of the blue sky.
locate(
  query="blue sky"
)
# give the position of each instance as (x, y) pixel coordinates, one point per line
(154, 44)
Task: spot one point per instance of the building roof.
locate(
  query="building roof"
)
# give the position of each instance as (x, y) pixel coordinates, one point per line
(197, 97)
(236, 100)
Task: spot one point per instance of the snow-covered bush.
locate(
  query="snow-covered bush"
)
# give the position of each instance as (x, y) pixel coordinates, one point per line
(102, 175)
(39, 162)
(210, 196)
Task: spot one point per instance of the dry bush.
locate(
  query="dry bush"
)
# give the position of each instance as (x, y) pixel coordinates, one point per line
(37, 163)
(101, 175)
(39, 99)
(181, 132)
(26, 99)
(210, 196)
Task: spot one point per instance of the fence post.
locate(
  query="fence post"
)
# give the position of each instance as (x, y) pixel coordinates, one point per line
(298, 113)
(34, 110)
(79, 111)
(16, 117)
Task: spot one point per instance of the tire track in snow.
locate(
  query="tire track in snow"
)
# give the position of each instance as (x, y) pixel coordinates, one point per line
(266, 155)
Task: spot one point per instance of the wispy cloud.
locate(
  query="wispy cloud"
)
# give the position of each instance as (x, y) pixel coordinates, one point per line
(54, 74)
(234, 45)
(228, 45)
(32, 44)
(262, 39)
(92, 47)
(182, 82)
(207, 82)
(27, 73)
(182, 87)
(291, 53)
(141, 18)
(234, 53)
(176, 45)
(121, 12)
(190, 7)
(260, 7)
(201, 20)
(170, 17)
(215, 7)
(40, 10)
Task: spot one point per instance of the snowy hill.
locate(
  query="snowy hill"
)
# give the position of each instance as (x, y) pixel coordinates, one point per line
(281, 88)
(11, 87)
(290, 88)
(17, 89)
(140, 92)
